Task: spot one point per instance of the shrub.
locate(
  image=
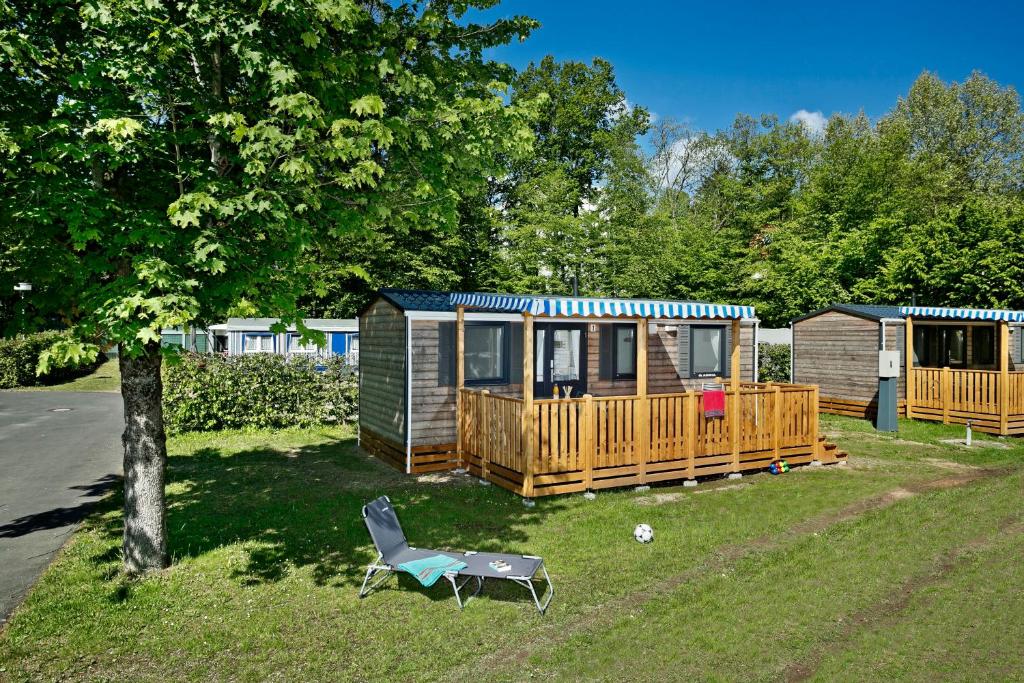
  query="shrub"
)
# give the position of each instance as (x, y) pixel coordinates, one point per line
(204, 392)
(19, 356)
(773, 362)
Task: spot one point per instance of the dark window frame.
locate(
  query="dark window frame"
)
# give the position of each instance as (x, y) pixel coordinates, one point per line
(506, 352)
(721, 352)
(616, 374)
(941, 344)
(976, 358)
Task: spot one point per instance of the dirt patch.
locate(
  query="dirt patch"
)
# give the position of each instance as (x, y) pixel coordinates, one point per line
(659, 499)
(726, 487)
(949, 465)
(675, 497)
(960, 443)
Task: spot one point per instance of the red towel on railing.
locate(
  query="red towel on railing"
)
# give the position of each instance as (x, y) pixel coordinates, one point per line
(714, 403)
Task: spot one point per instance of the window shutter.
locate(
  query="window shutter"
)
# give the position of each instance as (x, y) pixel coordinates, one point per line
(683, 350)
(607, 348)
(1019, 334)
(446, 354)
(516, 354)
(727, 355)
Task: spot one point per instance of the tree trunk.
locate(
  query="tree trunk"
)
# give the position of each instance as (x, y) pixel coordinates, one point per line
(145, 462)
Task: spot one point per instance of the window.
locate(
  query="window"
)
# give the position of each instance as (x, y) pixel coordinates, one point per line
(984, 345)
(624, 351)
(565, 355)
(938, 346)
(258, 343)
(487, 353)
(295, 344)
(707, 350)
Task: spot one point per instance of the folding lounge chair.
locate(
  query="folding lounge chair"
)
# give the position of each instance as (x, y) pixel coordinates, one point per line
(393, 550)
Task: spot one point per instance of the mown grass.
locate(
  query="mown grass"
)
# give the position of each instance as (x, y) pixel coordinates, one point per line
(904, 564)
(106, 377)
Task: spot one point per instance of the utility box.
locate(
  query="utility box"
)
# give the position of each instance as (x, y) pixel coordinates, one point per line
(888, 363)
(888, 378)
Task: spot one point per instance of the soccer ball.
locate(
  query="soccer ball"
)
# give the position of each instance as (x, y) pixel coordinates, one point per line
(643, 533)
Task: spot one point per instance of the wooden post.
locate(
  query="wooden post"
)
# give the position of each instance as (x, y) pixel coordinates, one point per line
(589, 441)
(908, 360)
(460, 376)
(487, 430)
(736, 417)
(527, 426)
(1004, 377)
(776, 420)
(691, 437)
(814, 421)
(643, 420)
(947, 394)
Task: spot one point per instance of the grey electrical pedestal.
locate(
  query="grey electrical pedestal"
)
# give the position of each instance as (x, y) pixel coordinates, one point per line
(888, 378)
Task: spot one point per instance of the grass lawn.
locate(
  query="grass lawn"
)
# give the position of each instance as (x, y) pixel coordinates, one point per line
(106, 377)
(907, 564)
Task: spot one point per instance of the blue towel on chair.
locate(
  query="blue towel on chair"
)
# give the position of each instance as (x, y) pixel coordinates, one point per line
(428, 570)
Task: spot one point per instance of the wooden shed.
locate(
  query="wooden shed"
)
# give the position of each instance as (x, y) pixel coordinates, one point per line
(967, 363)
(533, 368)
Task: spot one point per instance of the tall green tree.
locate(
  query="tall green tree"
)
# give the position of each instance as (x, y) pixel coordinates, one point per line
(170, 161)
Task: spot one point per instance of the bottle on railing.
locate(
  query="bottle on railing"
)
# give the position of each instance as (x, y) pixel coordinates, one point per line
(554, 391)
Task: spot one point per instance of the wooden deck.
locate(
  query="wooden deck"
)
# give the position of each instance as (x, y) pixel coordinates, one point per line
(992, 400)
(572, 445)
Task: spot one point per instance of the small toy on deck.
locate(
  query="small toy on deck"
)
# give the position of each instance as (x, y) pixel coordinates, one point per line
(643, 533)
(778, 467)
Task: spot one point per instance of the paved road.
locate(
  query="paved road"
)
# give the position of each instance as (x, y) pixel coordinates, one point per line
(54, 463)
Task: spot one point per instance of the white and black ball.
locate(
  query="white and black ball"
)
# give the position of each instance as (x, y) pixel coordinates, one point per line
(643, 533)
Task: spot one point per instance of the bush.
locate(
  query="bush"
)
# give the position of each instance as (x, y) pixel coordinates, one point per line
(773, 362)
(19, 356)
(204, 392)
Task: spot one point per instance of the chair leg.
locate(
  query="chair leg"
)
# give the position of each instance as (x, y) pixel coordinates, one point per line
(527, 583)
(456, 586)
(551, 592)
(370, 572)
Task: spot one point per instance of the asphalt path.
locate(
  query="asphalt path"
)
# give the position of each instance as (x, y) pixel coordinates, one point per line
(59, 453)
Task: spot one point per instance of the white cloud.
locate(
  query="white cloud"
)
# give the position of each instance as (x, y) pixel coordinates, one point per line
(813, 121)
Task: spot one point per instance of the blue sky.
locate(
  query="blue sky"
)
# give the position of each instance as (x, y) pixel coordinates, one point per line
(705, 62)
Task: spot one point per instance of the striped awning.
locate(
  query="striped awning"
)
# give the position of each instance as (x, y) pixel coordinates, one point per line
(962, 313)
(609, 308)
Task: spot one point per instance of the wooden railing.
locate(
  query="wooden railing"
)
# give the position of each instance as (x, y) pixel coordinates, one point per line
(958, 396)
(599, 442)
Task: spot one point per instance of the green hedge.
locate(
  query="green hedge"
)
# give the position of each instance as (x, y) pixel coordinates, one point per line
(19, 356)
(204, 392)
(773, 362)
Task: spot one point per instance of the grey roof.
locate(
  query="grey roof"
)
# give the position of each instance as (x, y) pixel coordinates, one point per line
(323, 324)
(419, 299)
(869, 311)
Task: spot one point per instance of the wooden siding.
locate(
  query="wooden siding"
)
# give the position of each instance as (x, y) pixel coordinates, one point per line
(433, 406)
(839, 353)
(663, 361)
(382, 373)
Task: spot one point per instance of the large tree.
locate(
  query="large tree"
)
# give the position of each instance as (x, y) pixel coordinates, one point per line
(168, 161)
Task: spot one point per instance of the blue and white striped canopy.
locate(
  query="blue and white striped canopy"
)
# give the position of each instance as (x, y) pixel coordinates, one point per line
(612, 308)
(962, 313)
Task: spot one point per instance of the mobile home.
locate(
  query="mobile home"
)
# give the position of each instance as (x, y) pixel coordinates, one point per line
(555, 394)
(967, 363)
